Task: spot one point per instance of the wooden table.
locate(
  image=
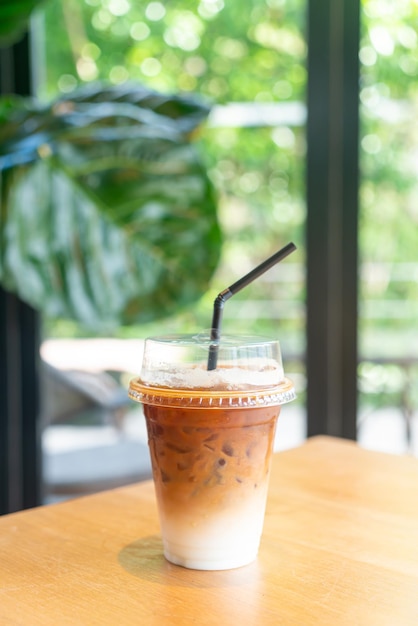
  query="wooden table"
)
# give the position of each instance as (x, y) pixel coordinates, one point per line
(340, 547)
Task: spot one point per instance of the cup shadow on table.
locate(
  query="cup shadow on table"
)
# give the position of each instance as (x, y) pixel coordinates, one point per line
(144, 558)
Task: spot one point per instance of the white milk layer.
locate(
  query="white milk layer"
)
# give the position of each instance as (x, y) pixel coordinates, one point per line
(225, 540)
(243, 375)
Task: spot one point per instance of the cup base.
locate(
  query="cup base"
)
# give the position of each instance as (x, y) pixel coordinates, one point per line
(210, 565)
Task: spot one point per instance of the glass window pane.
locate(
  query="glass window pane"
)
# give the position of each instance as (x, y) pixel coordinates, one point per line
(389, 225)
(251, 65)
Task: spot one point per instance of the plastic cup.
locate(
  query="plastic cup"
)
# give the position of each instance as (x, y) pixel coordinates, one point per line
(211, 436)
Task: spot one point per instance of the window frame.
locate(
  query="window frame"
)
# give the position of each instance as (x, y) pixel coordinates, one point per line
(332, 183)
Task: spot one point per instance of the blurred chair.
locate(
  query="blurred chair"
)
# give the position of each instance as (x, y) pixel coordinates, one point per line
(67, 393)
(81, 399)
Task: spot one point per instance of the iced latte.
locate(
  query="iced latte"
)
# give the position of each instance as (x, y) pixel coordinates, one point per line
(211, 437)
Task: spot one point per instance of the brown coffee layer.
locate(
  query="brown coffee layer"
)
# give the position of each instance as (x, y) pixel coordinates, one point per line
(209, 458)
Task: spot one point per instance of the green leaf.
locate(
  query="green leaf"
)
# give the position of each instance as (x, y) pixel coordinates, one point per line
(108, 216)
(14, 16)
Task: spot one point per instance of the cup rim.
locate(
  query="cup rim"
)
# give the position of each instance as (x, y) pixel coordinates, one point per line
(204, 339)
(145, 393)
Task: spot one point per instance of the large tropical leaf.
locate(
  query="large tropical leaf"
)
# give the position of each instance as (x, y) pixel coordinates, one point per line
(14, 16)
(107, 214)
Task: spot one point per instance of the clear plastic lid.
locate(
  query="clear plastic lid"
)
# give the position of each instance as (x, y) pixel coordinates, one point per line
(249, 372)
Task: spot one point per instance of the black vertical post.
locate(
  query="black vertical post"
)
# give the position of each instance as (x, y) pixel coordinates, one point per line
(20, 449)
(332, 222)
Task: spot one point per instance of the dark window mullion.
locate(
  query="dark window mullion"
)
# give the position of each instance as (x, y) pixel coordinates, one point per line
(332, 224)
(20, 448)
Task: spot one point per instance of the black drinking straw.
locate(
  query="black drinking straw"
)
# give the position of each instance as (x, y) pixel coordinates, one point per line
(222, 297)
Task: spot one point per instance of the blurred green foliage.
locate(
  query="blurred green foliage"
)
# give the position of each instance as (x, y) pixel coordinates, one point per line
(105, 205)
(220, 49)
(389, 169)
(14, 17)
(255, 52)
(225, 53)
